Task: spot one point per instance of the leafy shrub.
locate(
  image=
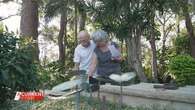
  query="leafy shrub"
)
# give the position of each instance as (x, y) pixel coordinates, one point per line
(183, 68)
(163, 65)
(50, 75)
(181, 44)
(124, 66)
(17, 70)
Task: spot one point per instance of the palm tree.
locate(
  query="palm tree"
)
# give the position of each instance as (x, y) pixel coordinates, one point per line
(189, 26)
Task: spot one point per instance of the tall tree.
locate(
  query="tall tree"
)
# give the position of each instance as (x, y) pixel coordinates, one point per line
(135, 57)
(29, 24)
(189, 26)
(166, 27)
(75, 19)
(82, 15)
(178, 24)
(125, 19)
(152, 32)
(151, 35)
(154, 57)
(55, 8)
(61, 40)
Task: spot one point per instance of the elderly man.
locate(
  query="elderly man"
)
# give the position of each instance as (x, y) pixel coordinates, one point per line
(84, 51)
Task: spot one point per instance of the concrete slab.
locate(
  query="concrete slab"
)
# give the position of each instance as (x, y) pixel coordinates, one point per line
(144, 94)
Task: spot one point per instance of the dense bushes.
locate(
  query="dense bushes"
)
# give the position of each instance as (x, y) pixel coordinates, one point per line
(183, 68)
(181, 44)
(17, 69)
(50, 75)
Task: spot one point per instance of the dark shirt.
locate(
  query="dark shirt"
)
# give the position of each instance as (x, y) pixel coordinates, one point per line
(106, 66)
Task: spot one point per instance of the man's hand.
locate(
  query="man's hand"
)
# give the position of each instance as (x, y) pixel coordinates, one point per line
(76, 67)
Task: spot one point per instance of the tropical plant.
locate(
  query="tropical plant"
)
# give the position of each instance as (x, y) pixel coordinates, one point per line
(17, 69)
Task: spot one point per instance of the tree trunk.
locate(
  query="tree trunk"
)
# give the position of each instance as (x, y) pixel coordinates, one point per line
(29, 24)
(75, 18)
(134, 53)
(154, 59)
(163, 52)
(166, 29)
(65, 39)
(82, 19)
(61, 41)
(178, 25)
(121, 48)
(189, 28)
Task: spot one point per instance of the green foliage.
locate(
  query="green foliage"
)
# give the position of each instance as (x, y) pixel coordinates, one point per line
(147, 63)
(124, 66)
(123, 17)
(70, 47)
(181, 44)
(17, 70)
(50, 33)
(164, 60)
(1, 27)
(183, 68)
(118, 17)
(50, 75)
(55, 7)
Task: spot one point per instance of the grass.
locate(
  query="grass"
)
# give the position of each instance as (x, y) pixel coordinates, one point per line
(86, 104)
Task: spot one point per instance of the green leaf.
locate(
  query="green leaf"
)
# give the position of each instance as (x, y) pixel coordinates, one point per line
(5, 75)
(18, 68)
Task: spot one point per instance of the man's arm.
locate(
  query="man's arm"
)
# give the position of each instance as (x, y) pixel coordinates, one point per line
(76, 59)
(76, 66)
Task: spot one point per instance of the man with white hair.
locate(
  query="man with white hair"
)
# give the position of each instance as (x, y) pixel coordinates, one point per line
(84, 51)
